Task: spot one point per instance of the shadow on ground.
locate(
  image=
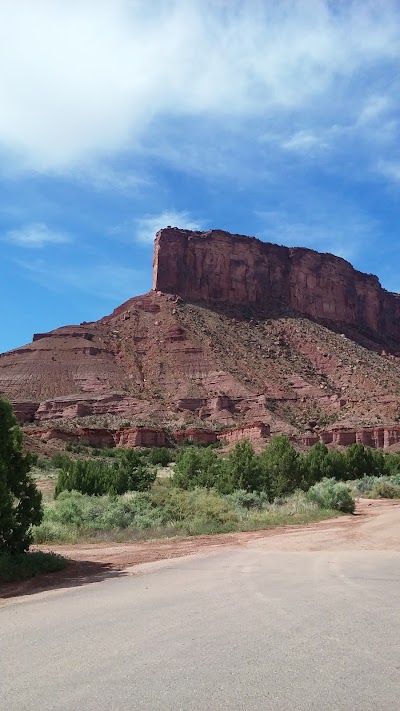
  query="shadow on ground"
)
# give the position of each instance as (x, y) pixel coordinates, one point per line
(76, 573)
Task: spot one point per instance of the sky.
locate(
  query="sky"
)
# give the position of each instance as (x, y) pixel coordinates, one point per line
(119, 117)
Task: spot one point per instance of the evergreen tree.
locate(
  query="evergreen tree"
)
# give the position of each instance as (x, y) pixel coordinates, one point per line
(20, 501)
(282, 466)
(359, 461)
(244, 470)
(198, 467)
(321, 463)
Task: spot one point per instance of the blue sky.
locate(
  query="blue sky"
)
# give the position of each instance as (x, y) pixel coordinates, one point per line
(280, 120)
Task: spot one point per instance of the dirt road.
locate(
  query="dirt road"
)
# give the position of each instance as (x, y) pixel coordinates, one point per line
(303, 619)
(376, 526)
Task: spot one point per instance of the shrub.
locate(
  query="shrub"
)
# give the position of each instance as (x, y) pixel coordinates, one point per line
(74, 509)
(20, 501)
(160, 455)
(330, 494)
(25, 565)
(197, 467)
(134, 476)
(321, 463)
(281, 467)
(392, 464)
(385, 490)
(360, 461)
(248, 499)
(199, 504)
(366, 484)
(58, 461)
(97, 478)
(244, 470)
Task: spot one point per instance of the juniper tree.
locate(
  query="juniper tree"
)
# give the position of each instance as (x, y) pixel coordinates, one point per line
(20, 501)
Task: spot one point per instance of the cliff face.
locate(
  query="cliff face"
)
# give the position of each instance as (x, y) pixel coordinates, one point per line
(160, 360)
(217, 266)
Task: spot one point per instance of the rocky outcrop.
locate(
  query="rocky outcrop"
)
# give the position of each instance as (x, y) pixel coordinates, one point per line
(92, 436)
(376, 437)
(253, 431)
(78, 406)
(196, 436)
(25, 410)
(141, 437)
(220, 267)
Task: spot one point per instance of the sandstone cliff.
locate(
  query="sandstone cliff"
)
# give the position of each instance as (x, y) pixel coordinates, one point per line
(220, 267)
(212, 346)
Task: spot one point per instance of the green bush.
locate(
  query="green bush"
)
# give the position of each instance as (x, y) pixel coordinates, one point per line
(26, 565)
(77, 510)
(385, 490)
(20, 501)
(322, 463)
(366, 484)
(160, 455)
(248, 499)
(58, 461)
(197, 467)
(281, 465)
(392, 464)
(165, 510)
(360, 461)
(97, 478)
(244, 470)
(330, 494)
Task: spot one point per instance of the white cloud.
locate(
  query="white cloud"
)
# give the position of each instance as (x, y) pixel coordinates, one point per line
(35, 236)
(390, 170)
(146, 227)
(375, 107)
(105, 178)
(303, 142)
(340, 230)
(86, 79)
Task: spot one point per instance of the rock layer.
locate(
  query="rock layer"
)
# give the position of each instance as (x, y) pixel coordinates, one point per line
(220, 267)
(375, 437)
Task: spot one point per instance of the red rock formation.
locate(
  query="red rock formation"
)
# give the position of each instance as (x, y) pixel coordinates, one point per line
(252, 431)
(376, 437)
(343, 438)
(196, 435)
(47, 434)
(163, 359)
(217, 266)
(96, 436)
(25, 410)
(93, 436)
(74, 406)
(141, 437)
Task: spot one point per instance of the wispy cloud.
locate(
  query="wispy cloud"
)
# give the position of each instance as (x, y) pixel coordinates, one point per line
(146, 227)
(343, 231)
(390, 169)
(106, 281)
(35, 236)
(303, 142)
(92, 79)
(103, 177)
